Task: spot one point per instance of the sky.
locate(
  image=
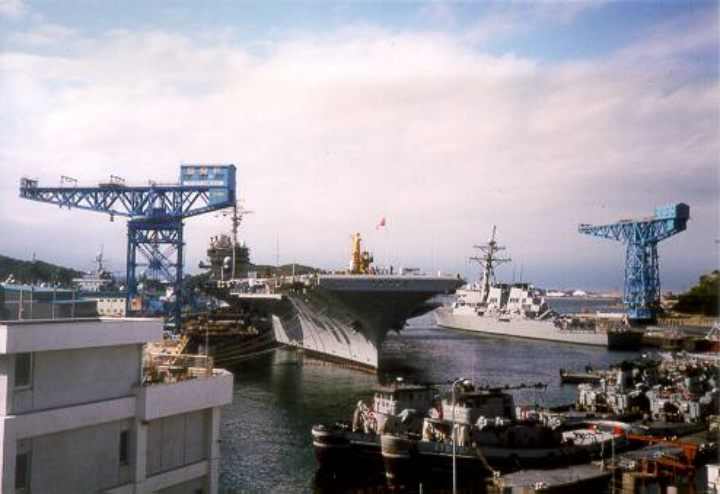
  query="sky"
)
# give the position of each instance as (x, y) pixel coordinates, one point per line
(443, 117)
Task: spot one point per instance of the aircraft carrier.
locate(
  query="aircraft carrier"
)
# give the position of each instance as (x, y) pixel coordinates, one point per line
(339, 316)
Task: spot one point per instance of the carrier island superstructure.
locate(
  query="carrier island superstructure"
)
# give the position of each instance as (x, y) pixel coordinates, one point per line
(340, 316)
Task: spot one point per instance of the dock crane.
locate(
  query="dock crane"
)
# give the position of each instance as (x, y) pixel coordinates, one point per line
(641, 237)
(156, 213)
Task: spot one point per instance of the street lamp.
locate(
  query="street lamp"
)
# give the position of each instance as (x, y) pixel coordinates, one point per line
(454, 466)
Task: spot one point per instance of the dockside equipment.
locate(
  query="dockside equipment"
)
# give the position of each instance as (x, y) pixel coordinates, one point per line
(641, 237)
(156, 212)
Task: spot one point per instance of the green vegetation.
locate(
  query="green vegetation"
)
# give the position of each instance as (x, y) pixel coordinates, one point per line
(35, 271)
(703, 298)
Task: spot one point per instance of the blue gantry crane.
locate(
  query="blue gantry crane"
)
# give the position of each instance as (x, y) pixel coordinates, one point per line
(156, 213)
(641, 236)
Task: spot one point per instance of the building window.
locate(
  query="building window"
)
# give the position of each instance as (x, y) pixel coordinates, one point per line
(23, 370)
(124, 447)
(22, 471)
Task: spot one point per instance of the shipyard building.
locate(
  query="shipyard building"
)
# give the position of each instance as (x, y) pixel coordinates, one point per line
(83, 408)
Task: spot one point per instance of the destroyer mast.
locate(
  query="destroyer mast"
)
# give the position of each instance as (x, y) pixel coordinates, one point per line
(488, 260)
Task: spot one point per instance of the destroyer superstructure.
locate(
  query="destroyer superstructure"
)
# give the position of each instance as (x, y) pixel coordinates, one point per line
(519, 310)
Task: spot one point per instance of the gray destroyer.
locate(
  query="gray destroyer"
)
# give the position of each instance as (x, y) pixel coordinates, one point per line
(519, 310)
(339, 316)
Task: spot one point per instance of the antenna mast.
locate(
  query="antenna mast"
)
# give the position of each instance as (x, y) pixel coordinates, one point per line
(236, 213)
(488, 260)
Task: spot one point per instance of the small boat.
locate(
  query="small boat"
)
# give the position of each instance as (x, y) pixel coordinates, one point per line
(397, 407)
(489, 439)
(569, 377)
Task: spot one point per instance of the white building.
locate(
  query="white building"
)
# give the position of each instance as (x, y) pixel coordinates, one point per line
(76, 416)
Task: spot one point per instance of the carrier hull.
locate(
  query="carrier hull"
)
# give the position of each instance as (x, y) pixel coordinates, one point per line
(345, 318)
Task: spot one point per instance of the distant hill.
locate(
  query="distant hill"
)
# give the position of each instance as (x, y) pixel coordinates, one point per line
(703, 298)
(36, 271)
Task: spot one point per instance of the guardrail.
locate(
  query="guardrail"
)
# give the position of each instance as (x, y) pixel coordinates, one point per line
(164, 368)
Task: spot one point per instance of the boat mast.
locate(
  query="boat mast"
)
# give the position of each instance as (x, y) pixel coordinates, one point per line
(488, 260)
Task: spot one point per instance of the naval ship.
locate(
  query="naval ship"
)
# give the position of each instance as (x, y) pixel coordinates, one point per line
(519, 310)
(339, 316)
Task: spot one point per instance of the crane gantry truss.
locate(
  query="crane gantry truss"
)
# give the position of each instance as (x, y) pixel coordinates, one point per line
(642, 267)
(156, 213)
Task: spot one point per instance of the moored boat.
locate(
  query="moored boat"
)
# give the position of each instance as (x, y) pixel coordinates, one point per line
(397, 407)
(489, 438)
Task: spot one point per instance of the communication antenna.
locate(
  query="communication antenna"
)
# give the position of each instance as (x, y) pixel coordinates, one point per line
(277, 251)
(489, 260)
(235, 213)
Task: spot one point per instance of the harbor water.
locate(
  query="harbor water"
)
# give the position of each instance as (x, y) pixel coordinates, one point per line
(265, 432)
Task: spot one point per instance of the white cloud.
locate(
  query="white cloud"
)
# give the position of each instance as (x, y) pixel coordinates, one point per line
(45, 35)
(12, 8)
(331, 132)
(439, 13)
(503, 19)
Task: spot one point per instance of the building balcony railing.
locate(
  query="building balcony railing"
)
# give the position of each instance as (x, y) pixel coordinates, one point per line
(182, 383)
(167, 368)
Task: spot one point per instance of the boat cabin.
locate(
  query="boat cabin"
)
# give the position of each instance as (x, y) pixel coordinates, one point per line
(471, 405)
(393, 399)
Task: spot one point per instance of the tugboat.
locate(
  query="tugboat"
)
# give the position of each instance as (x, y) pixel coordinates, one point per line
(519, 310)
(489, 438)
(397, 407)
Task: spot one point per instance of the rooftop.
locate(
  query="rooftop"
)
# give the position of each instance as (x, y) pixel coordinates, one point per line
(33, 335)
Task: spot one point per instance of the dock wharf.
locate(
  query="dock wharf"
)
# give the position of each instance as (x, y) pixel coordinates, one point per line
(559, 480)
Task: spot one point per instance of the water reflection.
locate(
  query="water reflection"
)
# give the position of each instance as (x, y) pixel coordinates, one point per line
(265, 434)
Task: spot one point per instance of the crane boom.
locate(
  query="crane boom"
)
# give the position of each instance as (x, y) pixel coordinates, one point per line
(642, 271)
(155, 211)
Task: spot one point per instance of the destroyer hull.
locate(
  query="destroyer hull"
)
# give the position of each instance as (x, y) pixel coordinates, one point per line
(345, 318)
(537, 330)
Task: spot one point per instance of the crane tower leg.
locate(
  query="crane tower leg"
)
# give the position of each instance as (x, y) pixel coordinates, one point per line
(130, 280)
(642, 280)
(149, 236)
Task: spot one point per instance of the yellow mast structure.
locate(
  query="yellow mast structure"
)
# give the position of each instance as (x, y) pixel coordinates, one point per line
(361, 260)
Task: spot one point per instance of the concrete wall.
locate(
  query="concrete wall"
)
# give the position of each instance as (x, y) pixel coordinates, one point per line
(80, 460)
(177, 440)
(195, 486)
(68, 377)
(162, 400)
(71, 334)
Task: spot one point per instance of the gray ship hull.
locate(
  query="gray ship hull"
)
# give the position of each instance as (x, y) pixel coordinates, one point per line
(520, 328)
(345, 318)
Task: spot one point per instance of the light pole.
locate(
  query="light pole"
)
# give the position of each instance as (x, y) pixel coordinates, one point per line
(454, 466)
